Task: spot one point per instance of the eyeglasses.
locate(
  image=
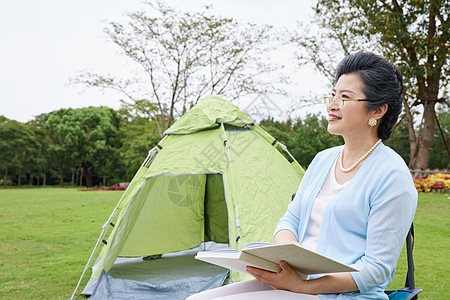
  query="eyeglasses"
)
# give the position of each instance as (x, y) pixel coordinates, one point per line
(339, 101)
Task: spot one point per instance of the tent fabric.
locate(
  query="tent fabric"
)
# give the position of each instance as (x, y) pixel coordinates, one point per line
(215, 176)
(170, 276)
(110, 288)
(181, 196)
(207, 114)
(216, 220)
(164, 269)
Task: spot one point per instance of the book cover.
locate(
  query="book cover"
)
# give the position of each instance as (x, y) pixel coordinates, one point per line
(268, 256)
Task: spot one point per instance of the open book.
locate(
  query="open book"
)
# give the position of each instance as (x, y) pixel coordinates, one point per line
(268, 256)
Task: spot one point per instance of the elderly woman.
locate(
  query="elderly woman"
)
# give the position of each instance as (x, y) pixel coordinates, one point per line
(355, 203)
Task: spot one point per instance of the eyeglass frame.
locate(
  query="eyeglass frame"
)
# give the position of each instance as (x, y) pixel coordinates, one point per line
(329, 99)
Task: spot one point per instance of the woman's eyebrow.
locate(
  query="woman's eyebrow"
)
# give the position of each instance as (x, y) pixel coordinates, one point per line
(345, 91)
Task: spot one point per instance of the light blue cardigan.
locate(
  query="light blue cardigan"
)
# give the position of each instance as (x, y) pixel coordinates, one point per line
(366, 224)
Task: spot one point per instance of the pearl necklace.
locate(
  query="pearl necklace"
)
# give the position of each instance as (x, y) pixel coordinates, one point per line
(359, 160)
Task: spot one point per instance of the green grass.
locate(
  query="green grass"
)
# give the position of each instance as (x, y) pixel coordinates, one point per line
(47, 235)
(431, 248)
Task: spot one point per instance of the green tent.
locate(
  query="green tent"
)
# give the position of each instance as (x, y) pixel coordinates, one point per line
(215, 179)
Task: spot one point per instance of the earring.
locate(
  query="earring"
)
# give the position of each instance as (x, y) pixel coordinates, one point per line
(372, 122)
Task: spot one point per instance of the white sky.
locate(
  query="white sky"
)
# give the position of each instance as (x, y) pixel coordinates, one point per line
(45, 42)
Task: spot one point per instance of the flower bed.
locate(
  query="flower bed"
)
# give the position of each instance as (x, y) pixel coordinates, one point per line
(111, 188)
(437, 182)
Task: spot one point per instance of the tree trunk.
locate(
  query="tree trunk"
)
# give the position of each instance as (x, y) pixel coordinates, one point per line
(77, 176)
(411, 131)
(45, 179)
(31, 179)
(61, 176)
(81, 176)
(5, 180)
(88, 180)
(73, 176)
(104, 180)
(88, 177)
(426, 138)
(19, 181)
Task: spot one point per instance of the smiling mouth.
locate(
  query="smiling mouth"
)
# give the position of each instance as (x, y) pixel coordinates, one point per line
(333, 118)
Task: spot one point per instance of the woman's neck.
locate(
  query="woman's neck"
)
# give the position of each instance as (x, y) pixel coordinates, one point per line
(355, 148)
(352, 157)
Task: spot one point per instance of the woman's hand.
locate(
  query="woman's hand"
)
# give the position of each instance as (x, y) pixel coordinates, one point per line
(287, 279)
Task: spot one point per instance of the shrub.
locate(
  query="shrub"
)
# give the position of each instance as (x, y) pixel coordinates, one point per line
(111, 188)
(437, 182)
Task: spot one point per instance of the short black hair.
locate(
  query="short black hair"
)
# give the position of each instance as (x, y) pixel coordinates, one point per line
(382, 85)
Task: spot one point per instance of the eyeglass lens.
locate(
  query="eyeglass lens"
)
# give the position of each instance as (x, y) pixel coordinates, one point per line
(338, 100)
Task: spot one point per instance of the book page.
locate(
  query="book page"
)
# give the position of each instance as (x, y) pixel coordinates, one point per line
(255, 245)
(236, 260)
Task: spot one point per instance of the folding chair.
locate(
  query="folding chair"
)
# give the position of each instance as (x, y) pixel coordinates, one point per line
(409, 292)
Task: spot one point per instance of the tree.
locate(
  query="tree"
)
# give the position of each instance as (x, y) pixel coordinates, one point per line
(19, 149)
(29, 153)
(399, 141)
(44, 157)
(84, 139)
(182, 57)
(138, 135)
(414, 34)
(278, 129)
(440, 158)
(310, 136)
(98, 141)
(8, 160)
(64, 134)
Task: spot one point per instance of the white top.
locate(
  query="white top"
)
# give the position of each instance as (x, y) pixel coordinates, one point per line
(329, 190)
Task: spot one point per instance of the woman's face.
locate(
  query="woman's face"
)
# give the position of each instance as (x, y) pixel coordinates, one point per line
(351, 119)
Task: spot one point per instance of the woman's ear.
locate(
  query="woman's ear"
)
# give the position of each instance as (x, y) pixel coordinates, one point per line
(379, 112)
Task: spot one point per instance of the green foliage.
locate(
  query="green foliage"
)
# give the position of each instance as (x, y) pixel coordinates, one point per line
(304, 138)
(102, 145)
(310, 136)
(399, 141)
(138, 135)
(278, 129)
(20, 148)
(440, 158)
(84, 139)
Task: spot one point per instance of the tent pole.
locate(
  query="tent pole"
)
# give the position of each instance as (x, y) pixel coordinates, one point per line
(286, 150)
(228, 152)
(238, 223)
(227, 147)
(104, 227)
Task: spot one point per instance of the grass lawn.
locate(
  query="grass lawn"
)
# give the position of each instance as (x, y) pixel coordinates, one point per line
(431, 248)
(47, 235)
